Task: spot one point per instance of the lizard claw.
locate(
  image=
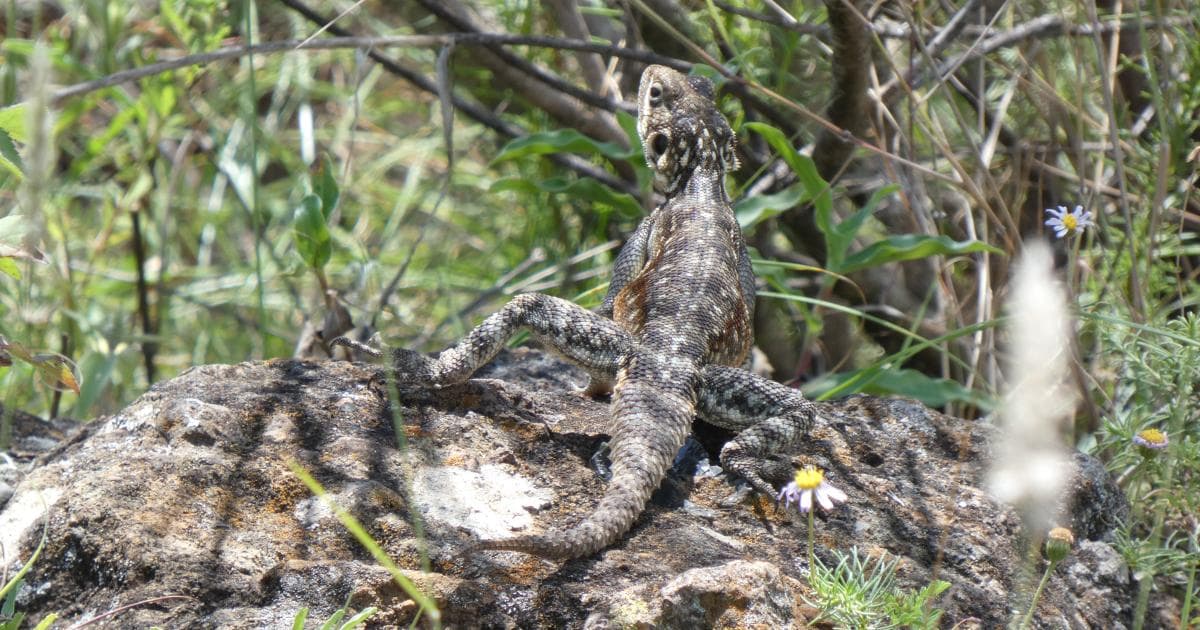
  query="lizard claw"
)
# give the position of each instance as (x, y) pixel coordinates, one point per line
(752, 469)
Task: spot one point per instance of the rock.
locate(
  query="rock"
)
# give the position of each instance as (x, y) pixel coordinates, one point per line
(1099, 580)
(737, 594)
(188, 492)
(31, 437)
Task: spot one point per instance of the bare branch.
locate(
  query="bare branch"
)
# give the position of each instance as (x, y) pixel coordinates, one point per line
(1039, 27)
(345, 41)
(819, 31)
(847, 114)
(571, 21)
(564, 101)
(850, 68)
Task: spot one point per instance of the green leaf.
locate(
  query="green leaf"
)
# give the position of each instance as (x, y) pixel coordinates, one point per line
(9, 268)
(911, 247)
(802, 165)
(96, 369)
(17, 48)
(12, 122)
(14, 583)
(166, 9)
(14, 623)
(10, 160)
(141, 186)
(628, 123)
(13, 230)
(600, 11)
(53, 369)
(300, 618)
(311, 234)
(334, 620)
(9, 607)
(934, 392)
(838, 238)
(751, 211)
(124, 117)
(585, 189)
(561, 141)
(517, 185)
(163, 97)
(46, 622)
(360, 618)
(325, 186)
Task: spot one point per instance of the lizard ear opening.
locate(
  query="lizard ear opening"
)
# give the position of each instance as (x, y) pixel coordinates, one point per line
(659, 144)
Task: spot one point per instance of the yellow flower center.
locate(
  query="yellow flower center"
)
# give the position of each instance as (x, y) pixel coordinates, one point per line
(809, 477)
(1062, 534)
(1153, 436)
(1070, 222)
(1058, 543)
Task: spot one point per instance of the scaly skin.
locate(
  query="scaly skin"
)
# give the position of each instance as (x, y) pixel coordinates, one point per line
(681, 302)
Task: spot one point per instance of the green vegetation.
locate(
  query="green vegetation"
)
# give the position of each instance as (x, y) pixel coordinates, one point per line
(206, 213)
(336, 621)
(858, 593)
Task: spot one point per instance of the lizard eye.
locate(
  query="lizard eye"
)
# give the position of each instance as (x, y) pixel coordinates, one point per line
(655, 95)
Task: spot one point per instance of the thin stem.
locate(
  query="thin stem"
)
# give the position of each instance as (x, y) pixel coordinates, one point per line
(1166, 479)
(8, 413)
(1118, 155)
(811, 566)
(143, 301)
(252, 124)
(1037, 595)
(1186, 610)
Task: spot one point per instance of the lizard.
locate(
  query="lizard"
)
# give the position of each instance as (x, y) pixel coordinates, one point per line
(680, 301)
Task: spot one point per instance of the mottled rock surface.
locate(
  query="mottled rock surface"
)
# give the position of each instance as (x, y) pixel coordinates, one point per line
(188, 492)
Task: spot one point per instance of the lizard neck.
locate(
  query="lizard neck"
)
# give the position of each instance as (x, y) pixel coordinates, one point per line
(705, 186)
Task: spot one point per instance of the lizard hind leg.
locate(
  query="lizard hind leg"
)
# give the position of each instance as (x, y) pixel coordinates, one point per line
(768, 416)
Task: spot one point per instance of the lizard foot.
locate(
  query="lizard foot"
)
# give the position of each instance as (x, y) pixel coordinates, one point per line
(410, 367)
(754, 469)
(357, 346)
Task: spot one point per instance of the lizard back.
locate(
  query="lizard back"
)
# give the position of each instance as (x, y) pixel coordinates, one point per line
(691, 287)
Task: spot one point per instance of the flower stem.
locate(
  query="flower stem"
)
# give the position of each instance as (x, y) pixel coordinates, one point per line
(1037, 595)
(811, 566)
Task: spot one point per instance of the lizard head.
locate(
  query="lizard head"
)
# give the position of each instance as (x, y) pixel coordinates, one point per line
(681, 128)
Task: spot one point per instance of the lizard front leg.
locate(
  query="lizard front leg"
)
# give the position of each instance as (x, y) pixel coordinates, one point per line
(746, 277)
(768, 416)
(589, 340)
(629, 263)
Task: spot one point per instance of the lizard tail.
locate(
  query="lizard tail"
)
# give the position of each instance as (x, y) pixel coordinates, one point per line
(651, 421)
